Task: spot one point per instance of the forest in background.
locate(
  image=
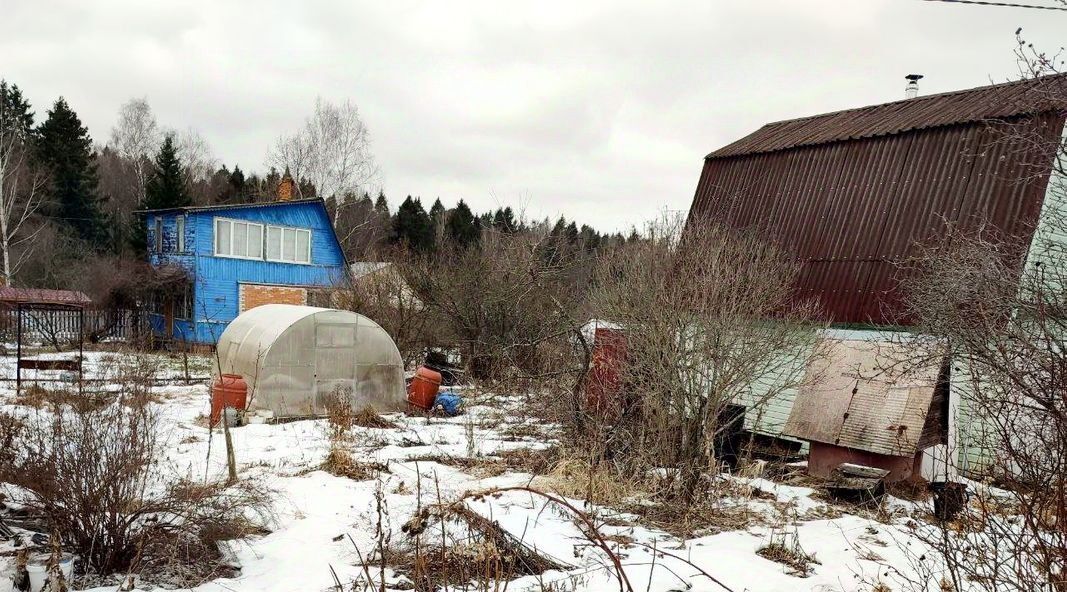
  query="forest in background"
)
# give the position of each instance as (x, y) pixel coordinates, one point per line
(69, 205)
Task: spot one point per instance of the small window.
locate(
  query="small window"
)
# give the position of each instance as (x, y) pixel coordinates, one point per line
(223, 231)
(159, 235)
(180, 232)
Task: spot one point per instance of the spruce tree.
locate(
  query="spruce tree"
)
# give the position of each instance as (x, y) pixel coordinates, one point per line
(381, 205)
(412, 226)
(166, 183)
(462, 228)
(16, 118)
(65, 148)
(504, 221)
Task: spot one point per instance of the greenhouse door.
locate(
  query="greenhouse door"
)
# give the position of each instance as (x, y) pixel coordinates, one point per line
(335, 367)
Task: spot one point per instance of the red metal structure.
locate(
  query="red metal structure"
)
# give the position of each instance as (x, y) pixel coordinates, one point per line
(603, 384)
(851, 193)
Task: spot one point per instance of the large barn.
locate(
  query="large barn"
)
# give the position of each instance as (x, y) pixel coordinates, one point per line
(852, 194)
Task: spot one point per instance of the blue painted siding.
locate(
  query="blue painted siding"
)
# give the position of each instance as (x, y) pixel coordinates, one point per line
(217, 280)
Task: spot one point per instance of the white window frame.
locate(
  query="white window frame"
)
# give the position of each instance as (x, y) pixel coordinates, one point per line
(231, 221)
(281, 247)
(179, 232)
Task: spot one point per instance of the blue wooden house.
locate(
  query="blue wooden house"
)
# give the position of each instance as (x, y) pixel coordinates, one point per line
(225, 259)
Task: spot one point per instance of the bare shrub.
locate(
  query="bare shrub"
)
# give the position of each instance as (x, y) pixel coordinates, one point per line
(502, 301)
(1001, 312)
(381, 293)
(94, 474)
(707, 315)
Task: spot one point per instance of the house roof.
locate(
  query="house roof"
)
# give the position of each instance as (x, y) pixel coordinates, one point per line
(35, 296)
(237, 206)
(851, 194)
(362, 268)
(866, 395)
(998, 101)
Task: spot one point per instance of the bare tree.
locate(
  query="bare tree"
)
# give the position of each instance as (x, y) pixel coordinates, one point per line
(706, 315)
(195, 153)
(332, 151)
(382, 294)
(1000, 305)
(136, 137)
(22, 187)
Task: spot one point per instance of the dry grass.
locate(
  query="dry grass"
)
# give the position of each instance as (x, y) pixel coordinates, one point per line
(784, 547)
(450, 545)
(369, 418)
(577, 478)
(39, 397)
(340, 463)
(340, 420)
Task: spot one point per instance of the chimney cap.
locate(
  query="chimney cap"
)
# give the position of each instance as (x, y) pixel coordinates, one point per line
(913, 77)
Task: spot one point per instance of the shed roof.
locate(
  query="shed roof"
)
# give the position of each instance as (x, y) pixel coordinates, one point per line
(36, 296)
(850, 194)
(985, 103)
(865, 395)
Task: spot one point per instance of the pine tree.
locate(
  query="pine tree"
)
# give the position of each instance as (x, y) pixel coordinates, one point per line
(412, 226)
(437, 211)
(64, 146)
(462, 228)
(166, 183)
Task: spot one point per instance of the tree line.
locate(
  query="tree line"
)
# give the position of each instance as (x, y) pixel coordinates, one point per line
(69, 205)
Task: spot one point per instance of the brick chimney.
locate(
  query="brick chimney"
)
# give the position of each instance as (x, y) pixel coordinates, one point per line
(286, 187)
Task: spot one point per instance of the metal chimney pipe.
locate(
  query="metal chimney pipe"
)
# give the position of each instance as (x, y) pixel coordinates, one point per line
(912, 90)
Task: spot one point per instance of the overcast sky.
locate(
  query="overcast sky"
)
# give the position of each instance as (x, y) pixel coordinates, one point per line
(600, 111)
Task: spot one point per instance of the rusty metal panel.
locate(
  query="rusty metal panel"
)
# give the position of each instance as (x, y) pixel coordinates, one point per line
(853, 211)
(861, 395)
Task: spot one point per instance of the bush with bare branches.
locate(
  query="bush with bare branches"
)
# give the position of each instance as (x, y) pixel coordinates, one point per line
(93, 474)
(706, 314)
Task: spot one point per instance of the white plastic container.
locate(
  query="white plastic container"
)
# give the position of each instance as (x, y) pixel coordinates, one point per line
(37, 567)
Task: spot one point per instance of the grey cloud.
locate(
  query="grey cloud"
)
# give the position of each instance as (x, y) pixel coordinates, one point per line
(601, 111)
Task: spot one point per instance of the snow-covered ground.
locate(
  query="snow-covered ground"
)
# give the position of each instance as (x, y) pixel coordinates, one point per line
(321, 520)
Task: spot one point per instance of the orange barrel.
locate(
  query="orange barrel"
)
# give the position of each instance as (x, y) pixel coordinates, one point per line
(229, 390)
(423, 388)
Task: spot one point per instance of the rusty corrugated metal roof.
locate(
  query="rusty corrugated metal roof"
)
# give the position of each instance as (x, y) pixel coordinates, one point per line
(852, 193)
(998, 101)
(11, 296)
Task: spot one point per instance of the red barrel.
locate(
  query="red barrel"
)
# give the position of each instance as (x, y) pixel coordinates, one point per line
(229, 390)
(423, 388)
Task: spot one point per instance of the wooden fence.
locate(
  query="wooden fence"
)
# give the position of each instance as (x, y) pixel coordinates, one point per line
(57, 327)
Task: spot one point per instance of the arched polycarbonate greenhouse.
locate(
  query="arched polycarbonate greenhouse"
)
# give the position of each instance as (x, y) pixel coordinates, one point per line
(295, 358)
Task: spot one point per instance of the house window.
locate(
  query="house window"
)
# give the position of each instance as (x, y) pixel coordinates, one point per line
(234, 238)
(158, 235)
(183, 304)
(288, 245)
(180, 231)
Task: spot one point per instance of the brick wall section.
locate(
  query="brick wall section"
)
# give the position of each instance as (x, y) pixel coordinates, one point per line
(253, 295)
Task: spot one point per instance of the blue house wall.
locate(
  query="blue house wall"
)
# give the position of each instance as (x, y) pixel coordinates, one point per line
(216, 280)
